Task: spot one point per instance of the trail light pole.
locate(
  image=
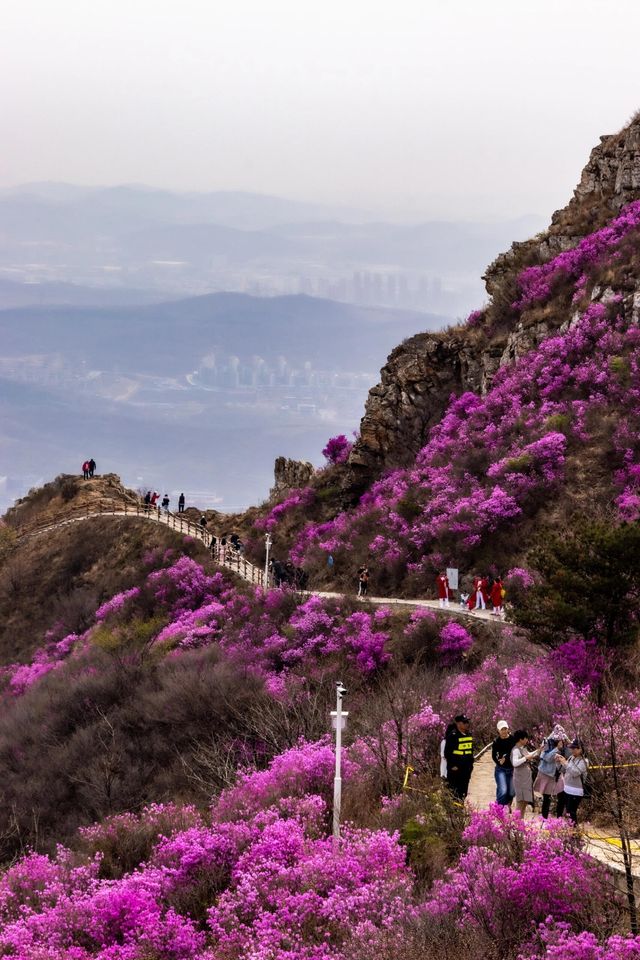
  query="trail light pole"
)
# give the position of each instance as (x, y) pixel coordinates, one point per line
(268, 543)
(339, 721)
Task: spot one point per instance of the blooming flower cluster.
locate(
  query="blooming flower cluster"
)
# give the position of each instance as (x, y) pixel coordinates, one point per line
(261, 875)
(303, 497)
(455, 641)
(337, 449)
(537, 283)
(514, 877)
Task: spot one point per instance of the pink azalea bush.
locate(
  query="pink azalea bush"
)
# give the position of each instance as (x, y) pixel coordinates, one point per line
(273, 882)
(514, 877)
(337, 449)
(537, 283)
(455, 642)
(301, 498)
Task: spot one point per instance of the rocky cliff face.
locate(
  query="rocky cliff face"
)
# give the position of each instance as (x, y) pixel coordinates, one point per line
(422, 373)
(289, 474)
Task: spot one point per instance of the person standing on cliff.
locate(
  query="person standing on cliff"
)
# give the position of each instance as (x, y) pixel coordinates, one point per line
(181, 503)
(92, 467)
(442, 583)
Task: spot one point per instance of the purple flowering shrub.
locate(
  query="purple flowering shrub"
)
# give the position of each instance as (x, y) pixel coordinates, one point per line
(455, 642)
(337, 449)
(537, 283)
(270, 881)
(295, 499)
(270, 634)
(307, 768)
(513, 877)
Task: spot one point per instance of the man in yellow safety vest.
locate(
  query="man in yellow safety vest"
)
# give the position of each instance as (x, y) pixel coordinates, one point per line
(458, 752)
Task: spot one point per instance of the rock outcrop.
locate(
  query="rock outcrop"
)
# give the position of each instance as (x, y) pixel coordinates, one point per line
(289, 474)
(422, 373)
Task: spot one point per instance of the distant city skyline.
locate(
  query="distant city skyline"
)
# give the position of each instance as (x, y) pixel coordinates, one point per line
(417, 109)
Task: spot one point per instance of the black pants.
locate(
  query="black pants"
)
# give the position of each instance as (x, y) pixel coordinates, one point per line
(571, 804)
(458, 781)
(181, 508)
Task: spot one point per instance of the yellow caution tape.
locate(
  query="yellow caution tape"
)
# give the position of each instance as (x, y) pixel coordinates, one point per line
(610, 766)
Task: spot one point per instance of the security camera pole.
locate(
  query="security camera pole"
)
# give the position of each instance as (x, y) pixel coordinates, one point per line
(339, 718)
(268, 542)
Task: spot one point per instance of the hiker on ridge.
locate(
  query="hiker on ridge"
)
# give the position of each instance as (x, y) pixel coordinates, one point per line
(85, 470)
(181, 503)
(92, 467)
(165, 503)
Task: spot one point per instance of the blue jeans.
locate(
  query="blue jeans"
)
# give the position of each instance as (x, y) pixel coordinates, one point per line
(504, 785)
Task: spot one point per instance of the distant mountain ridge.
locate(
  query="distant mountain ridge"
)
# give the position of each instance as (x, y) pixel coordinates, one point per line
(135, 237)
(170, 336)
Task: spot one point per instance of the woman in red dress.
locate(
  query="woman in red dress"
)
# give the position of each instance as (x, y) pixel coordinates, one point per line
(442, 583)
(496, 596)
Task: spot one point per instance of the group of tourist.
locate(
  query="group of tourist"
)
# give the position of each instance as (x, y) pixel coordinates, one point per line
(150, 500)
(555, 769)
(485, 591)
(89, 469)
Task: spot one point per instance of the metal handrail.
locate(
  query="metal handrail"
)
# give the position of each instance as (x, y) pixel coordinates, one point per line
(226, 556)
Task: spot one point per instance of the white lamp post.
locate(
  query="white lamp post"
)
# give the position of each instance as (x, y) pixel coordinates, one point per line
(268, 543)
(339, 721)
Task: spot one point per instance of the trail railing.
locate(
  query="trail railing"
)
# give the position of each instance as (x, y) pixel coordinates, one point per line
(223, 554)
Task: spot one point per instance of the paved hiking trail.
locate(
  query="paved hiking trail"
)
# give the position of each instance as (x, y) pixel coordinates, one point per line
(230, 558)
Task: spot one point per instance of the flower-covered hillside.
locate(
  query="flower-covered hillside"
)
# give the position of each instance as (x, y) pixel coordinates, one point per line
(558, 431)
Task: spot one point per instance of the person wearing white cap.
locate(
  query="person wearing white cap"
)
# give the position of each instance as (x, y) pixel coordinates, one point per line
(501, 754)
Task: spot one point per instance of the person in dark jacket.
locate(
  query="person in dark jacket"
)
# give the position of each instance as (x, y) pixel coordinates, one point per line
(458, 752)
(501, 754)
(92, 467)
(181, 503)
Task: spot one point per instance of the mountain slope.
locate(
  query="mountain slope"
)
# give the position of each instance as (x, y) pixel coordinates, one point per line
(420, 375)
(515, 423)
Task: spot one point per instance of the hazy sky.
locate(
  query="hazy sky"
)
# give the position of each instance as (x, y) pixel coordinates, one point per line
(461, 108)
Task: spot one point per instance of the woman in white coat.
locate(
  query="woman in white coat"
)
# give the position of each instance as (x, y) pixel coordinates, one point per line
(521, 761)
